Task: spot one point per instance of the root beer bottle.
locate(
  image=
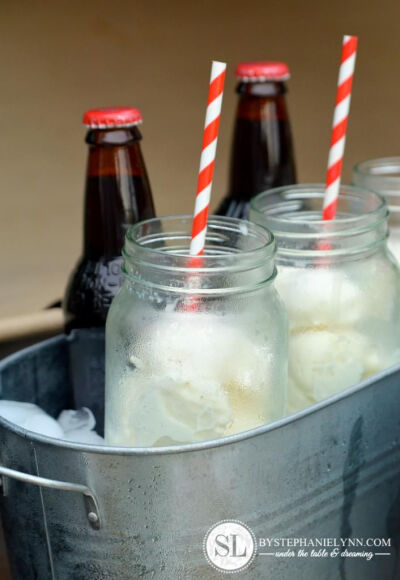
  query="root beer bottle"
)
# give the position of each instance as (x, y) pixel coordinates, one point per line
(262, 151)
(117, 194)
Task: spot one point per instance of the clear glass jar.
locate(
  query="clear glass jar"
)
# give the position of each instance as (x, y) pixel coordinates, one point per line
(383, 176)
(340, 284)
(196, 348)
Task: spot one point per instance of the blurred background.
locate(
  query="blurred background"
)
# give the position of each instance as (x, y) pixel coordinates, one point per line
(60, 58)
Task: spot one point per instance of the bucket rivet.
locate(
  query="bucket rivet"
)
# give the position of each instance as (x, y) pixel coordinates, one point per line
(94, 518)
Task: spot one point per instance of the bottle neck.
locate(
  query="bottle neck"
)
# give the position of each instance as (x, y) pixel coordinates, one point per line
(117, 190)
(262, 151)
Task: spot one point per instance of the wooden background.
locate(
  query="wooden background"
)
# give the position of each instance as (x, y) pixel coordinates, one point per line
(58, 58)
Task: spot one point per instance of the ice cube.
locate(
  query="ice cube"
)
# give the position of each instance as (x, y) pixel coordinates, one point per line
(71, 425)
(78, 426)
(84, 436)
(82, 419)
(44, 424)
(17, 412)
(30, 417)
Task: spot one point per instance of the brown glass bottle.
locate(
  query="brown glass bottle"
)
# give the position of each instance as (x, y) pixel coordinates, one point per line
(117, 194)
(262, 154)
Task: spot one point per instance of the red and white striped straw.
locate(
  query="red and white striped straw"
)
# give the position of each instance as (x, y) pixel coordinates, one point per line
(207, 159)
(340, 118)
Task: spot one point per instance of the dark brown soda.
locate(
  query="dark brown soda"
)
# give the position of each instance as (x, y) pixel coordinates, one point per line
(262, 154)
(117, 194)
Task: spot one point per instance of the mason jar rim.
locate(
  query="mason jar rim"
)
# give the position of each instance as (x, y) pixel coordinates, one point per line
(380, 167)
(180, 260)
(308, 235)
(329, 228)
(377, 175)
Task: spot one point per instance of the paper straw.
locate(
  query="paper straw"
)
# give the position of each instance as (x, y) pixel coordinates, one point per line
(340, 118)
(207, 159)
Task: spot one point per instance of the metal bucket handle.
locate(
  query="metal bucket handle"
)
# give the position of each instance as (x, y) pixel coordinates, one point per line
(91, 504)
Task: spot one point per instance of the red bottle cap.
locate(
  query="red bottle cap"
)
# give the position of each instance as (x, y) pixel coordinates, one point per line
(109, 117)
(262, 71)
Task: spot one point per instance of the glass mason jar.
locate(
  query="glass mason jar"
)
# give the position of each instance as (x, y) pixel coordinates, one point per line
(340, 284)
(383, 176)
(196, 348)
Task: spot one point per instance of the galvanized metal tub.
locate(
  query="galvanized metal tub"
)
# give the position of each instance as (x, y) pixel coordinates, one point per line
(330, 471)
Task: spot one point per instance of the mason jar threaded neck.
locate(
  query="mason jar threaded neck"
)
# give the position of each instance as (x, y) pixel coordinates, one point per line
(238, 255)
(294, 214)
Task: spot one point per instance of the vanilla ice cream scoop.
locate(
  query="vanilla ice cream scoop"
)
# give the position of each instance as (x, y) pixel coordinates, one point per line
(319, 297)
(341, 328)
(322, 297)
(165, 412)
(324, 362)
(194, 377)
(340, 285)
